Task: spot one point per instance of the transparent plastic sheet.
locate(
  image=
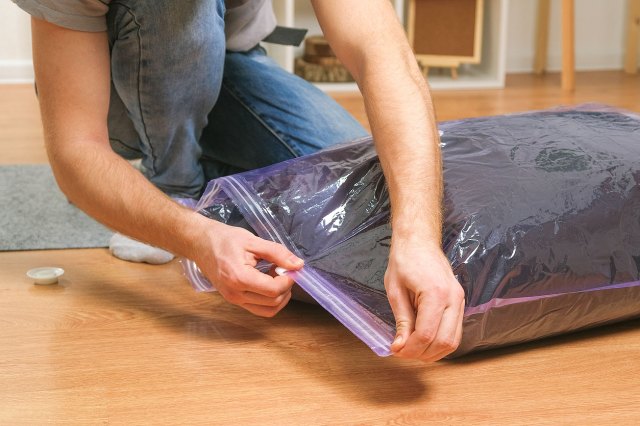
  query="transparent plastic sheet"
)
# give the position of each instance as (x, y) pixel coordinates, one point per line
(542, 224)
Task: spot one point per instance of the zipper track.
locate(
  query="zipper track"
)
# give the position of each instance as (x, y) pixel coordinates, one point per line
(316, 285)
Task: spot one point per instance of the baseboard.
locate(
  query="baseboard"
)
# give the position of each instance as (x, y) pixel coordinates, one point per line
(16, 71)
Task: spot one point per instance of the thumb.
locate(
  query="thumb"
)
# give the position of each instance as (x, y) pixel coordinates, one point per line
(276, 254)
(405, 317)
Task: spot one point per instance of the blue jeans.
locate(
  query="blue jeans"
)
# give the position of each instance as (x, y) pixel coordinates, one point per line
(193, 111)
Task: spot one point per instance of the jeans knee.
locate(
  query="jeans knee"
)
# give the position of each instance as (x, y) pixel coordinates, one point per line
(188, 34)
(172, 51)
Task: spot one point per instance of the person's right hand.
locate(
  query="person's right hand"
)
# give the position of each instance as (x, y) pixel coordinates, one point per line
(228, 255)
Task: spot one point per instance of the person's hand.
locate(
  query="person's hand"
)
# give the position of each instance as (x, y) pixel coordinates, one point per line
(228, 255)
(426, 299)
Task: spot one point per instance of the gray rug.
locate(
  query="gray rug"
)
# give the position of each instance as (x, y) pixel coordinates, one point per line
(34, 214)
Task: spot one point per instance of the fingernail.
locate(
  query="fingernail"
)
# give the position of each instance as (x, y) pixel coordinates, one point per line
(281, 271)
(397, 340)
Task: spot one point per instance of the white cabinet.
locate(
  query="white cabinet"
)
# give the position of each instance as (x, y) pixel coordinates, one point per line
(488, 74)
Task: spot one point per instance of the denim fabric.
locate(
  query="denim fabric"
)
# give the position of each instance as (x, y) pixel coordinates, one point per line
(194, 112)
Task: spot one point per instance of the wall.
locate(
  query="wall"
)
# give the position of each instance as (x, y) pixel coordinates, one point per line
(15, 44)
(600, 34)
(600, 29)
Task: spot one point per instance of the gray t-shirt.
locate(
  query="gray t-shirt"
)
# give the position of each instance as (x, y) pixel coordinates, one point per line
(246, 21)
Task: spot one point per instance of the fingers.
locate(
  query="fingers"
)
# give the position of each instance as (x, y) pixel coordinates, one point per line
(228, 260)
(457, 336)
(251, 280)
(446, 339)
(267, 311)
(275, 253)
(438, 328)
(259, 293)
(258, 299)
(427, 322)
(403, 311)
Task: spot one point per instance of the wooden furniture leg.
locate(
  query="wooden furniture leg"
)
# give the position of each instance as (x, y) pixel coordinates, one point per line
(633, 29)
(568, 45)
(542, 37)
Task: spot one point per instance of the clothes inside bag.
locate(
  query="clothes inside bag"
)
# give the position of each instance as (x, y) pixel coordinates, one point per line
(542, 224)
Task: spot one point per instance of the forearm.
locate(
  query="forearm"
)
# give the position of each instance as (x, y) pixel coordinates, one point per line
(107, 188)
(72, 73)
(427, 301)
(402, 120)
(399, 108)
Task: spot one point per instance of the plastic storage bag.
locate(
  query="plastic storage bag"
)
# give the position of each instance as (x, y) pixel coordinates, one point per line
(542, 224)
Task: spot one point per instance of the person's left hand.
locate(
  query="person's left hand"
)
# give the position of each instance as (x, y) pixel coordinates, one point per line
(426, 299)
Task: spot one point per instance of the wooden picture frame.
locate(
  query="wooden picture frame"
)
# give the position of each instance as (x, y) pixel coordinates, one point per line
(445, 33)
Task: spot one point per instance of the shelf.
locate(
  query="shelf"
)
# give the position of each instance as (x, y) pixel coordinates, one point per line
(490, 73)
(337, 87)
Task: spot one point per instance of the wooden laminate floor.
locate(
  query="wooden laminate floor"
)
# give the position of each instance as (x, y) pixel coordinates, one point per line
(123, 343)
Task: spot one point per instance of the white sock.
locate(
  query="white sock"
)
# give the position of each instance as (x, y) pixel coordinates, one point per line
(126, 248)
